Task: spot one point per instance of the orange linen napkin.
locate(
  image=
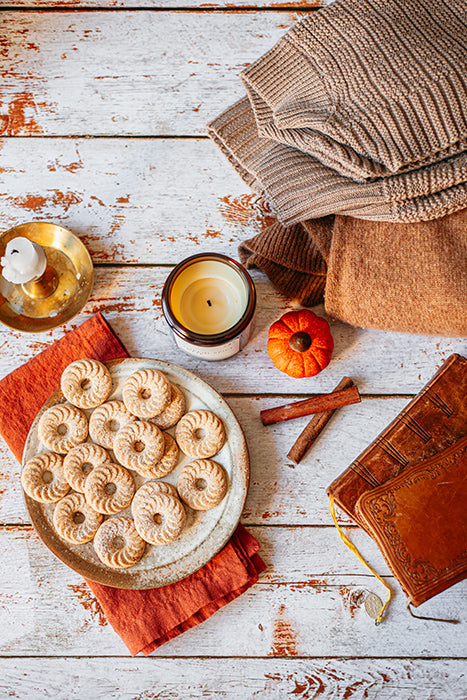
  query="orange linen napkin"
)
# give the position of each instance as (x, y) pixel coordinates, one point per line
(144, 619)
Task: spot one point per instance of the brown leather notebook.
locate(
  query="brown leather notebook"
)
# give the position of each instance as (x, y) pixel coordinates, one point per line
(433, 420)
(419, 521)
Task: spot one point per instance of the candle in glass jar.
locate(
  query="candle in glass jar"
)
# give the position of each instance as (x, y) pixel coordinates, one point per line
(209, 301)
(23, 261)
(209, 297)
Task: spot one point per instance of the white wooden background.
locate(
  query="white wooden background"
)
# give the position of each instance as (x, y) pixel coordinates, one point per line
(103, 107)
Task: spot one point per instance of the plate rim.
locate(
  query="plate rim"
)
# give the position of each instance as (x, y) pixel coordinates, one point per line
(125, 578)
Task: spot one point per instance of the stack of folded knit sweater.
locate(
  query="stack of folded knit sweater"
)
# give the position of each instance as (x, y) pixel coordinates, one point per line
(354, 128)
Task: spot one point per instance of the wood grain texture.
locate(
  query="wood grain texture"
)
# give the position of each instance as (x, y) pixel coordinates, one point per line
(379, 362)
(126, 73)
(235, 679)
(46, 606)
(131, 200)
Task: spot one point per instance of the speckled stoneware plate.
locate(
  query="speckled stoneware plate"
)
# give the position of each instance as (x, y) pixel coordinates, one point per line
(205, 532)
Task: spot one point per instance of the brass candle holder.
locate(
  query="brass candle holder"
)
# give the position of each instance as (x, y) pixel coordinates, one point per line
(59, 293)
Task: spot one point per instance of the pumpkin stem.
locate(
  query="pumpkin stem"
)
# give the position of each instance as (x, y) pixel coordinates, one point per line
(300, 341)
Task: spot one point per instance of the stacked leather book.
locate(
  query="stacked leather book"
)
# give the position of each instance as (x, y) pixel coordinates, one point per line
(408, 489)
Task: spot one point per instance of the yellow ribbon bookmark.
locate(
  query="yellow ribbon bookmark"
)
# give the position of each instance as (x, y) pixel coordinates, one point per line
(353, 548)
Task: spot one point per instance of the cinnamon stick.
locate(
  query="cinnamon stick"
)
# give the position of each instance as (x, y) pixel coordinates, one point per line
(311, 431)
(317, 404)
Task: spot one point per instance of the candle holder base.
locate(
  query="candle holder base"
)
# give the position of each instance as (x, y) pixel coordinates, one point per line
(44, 286)
(59, 293)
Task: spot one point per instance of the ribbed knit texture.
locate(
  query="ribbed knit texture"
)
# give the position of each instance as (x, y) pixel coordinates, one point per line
(400, 277)
(360, 109)
(369, 87)
(292, 259)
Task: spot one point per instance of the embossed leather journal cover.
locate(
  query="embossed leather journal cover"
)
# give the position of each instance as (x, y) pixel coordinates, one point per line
(432, 421)
(419, 521)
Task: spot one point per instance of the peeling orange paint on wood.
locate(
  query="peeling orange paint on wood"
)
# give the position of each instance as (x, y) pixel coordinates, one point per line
(247, 210)
(21, 115)
(319, 585)
(35, 202)
(283, 636)
(89, 602)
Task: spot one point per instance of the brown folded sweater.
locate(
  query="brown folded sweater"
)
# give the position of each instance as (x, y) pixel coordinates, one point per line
(402, 277)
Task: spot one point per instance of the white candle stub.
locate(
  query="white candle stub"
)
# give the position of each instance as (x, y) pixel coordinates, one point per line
(23, 261)
(209, 297)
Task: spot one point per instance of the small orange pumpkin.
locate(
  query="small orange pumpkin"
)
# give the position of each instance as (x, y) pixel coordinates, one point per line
(300, 343)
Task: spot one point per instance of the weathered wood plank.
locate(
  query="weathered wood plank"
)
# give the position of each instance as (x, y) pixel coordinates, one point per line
(135, 72)
(314, 556)
(235, 679)
(44, 605)
(379, 362)
(280, 492)
(301, 5)
(131, 200)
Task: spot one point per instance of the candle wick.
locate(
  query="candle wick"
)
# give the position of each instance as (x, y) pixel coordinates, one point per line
(209, 302)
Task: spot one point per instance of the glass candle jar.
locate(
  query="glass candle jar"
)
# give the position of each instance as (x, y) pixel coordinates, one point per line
(209, 300)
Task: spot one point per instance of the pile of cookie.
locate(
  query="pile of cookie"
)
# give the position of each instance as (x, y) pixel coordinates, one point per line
(89, 486)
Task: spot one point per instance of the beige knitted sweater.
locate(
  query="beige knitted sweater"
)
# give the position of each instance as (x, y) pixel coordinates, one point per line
(360, 109)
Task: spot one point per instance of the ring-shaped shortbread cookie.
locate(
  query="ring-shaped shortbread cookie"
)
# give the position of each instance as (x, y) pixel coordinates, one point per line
(109, 488)
(159, 517)
(43, 478)
(173, 412)
(202, 484)
(62, 427)
(166, 463)
(146, 393)
(86, 383)
(80, 461)
(74, 519)
(106, 420)
(139, 445)
(118, 544)
(200, 434)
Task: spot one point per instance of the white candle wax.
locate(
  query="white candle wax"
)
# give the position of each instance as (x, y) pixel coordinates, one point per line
(208, 297)
(23, 261)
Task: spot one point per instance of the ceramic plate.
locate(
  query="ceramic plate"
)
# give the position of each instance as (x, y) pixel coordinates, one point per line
(205, 532)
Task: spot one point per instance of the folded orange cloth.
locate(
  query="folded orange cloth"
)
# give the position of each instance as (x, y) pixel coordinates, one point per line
(144, 619)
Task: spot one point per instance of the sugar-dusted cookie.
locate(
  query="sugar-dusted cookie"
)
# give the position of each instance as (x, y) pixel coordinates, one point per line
(106, 420)
(139, 445)
(109, 488)
(74, 519)
(80, 461)
(43, 478)
(62, 427)
(202, 484)
(159, 517)
(118, 544)
(86, 383)
(200, 434)
(146, 393)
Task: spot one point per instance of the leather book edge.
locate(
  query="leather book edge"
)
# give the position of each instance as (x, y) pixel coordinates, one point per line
(341, 483)
(424, 592)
